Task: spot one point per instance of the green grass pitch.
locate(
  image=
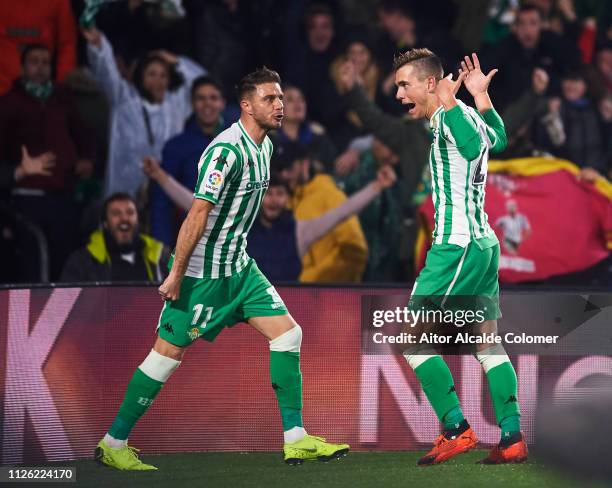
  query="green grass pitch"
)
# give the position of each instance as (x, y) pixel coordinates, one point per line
(361, 469)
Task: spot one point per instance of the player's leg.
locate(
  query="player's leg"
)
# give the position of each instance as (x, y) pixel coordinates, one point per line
(443, 268)
(264, 310)
(285, 338)
(201, 309)
(146, 383)
(501, 376)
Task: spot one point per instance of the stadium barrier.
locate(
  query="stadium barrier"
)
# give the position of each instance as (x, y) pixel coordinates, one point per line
(68, 354)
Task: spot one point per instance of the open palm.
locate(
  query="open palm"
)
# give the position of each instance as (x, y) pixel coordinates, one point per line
(476, 81)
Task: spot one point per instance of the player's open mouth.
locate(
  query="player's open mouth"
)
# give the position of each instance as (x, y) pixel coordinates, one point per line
(410, 106)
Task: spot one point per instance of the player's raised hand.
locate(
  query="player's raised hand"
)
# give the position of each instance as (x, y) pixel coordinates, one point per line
(476, 81)
(446, 89)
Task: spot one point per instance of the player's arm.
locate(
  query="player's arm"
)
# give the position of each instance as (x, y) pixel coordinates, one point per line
(477, 83)
(216, 167)
(464, 132)
(191, 232)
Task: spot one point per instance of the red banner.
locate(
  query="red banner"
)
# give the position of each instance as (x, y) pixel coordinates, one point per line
(69, 354)
(547, 222)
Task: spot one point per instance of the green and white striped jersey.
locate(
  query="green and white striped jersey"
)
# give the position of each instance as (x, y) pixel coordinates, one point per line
(458, 158)
(233, 173)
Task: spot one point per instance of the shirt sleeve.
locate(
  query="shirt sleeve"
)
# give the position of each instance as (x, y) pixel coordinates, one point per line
(464, 132)
(496, 131)
(216, 168)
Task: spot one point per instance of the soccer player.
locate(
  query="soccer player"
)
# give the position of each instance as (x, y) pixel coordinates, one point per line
(213, 283)
(463, 259)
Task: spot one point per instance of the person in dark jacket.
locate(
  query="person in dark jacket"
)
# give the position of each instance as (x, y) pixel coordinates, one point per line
(181, 154)
(272, 240)
(118, 251)
(308, 52)
(297, 129)
(39, 115)
(528, 48)
(571, 128)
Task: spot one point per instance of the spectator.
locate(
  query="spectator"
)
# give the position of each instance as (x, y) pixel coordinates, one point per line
(403, 32)
(605, 114)
(296, 129)
(600, 73)
(118, 251)
(160, 25)
(29, 166)
(38, 115)
(222, 43)
(381, 220)
(520, 115)
(9, 222)
(571, 127)
(307, 65)
(277, 241)
(341, 255)
(181, 154)
(409, 139)
(528, 48)
(144, 115)
(49, 23)
(359, 56)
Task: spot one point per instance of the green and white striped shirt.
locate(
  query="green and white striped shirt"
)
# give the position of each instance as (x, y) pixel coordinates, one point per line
(233, 174)
(462, 139)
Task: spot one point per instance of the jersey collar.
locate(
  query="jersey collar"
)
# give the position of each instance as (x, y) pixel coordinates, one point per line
(248, 137)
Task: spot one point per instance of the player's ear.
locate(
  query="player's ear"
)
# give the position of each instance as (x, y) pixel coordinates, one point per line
(245, 105)
(431, 84)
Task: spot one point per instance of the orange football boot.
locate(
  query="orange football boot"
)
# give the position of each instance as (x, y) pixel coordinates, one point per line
(514, 451)
(447, 446)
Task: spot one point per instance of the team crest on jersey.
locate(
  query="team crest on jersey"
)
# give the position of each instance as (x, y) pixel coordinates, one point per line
(213, 180)
(194, 333)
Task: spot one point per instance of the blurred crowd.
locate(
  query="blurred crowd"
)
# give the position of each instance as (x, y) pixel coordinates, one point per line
(106, 107)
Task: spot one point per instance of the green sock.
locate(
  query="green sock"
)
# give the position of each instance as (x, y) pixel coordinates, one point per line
(503, 388)
(287, 383)
(453, 418)
(437, 383)
(510, 426)
(138, 398)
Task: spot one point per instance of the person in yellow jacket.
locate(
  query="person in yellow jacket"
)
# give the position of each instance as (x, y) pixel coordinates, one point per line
(118, 251)
(340, 256)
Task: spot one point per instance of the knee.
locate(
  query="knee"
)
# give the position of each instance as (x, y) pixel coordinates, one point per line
(415, 360)
(491, 357)
(289, 341)
(158, 366)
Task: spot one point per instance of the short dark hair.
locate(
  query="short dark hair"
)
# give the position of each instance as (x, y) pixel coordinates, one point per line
(203, 81)
(528, 7)
(249, 83)
(318, 9)
(395, 7)
(116, 197)
(28, 48)
(277, 180)
(425, 60)
(175, 78)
